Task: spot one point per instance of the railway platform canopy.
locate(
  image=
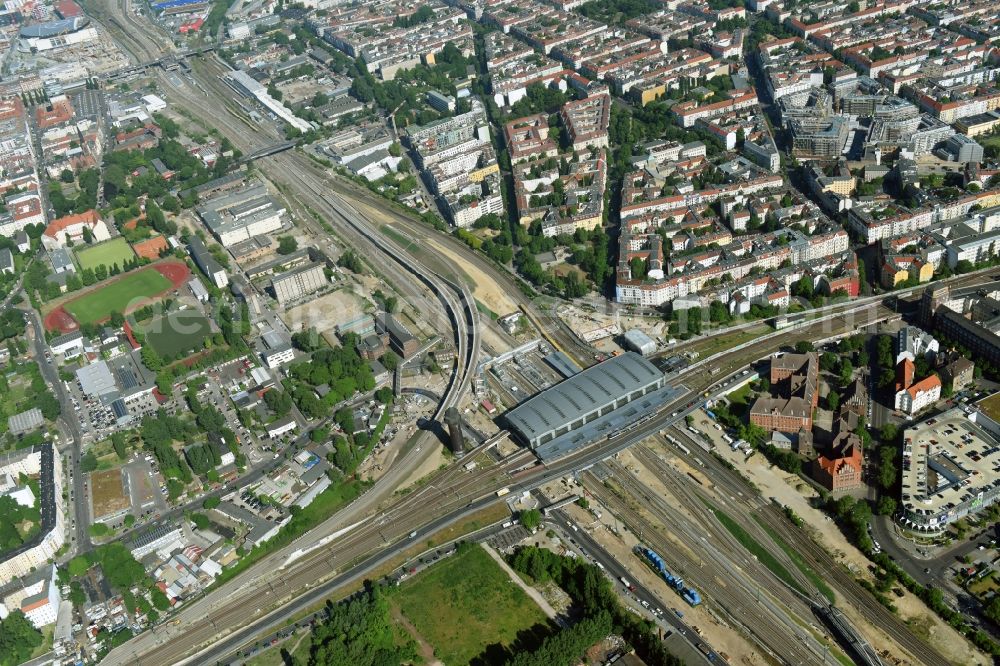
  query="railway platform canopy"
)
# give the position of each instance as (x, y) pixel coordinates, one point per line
(591, 403)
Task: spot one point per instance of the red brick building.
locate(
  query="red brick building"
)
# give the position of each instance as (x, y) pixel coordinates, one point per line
(839, 471)
(795, 378)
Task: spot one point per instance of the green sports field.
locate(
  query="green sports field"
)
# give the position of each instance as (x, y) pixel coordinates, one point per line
(177, 334)
(108, 253)
(117, 296)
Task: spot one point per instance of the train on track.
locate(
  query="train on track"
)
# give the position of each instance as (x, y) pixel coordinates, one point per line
(630, 427)
(656, 563)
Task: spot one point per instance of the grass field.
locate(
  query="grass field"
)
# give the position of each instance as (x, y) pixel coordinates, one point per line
(740, 395)
(98, 305)
(108, 253)
(466, 603)
(991, 406)
(176, 334)
(983, 588)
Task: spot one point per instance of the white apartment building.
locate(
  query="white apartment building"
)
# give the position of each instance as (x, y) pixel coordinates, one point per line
(974, 248)
(922, 394)
(45, 462)
(42, 608)
(466, 216)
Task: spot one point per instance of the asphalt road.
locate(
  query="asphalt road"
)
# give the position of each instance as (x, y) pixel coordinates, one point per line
(71, 427)
(424, 510)
(683, 639)
(549, 324)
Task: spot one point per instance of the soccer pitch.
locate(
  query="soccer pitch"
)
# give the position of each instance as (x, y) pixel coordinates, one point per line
(121, 295)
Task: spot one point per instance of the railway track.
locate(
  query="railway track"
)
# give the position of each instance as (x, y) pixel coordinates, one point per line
(706, 524)
(136, 41)
(682, 488)
(449, 490)
(869, 607)
(726, 591)
(818, 560)
(352, 548)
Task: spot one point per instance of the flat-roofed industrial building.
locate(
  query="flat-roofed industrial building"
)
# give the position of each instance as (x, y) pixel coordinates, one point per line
(298, 282)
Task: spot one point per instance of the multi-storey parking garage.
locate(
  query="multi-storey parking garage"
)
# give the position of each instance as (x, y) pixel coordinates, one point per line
(949, 469)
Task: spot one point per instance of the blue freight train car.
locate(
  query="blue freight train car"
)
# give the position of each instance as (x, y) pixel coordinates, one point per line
(676, 582)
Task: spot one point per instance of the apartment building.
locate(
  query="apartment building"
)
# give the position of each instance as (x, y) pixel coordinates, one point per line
(689, 112)
(916, 396)
(587, 121)
(529, 137)
(45, 463)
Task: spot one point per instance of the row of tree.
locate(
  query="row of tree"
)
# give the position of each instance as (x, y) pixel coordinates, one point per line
(594, 599)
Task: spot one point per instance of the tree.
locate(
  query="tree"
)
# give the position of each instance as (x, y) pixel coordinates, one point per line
(164, 383)
(200, 521)
(150, 358)
(18, 638)
(351, 262)
(390, 361)
(886, 506)
(88, 462)
(889, 432)
(120, 445)
(287, 245)
(530, 519)
(159, 599)
(804, 287)
(78, 566)
(278, 402)
(887, 473)
(992, 610)
(77, 596)
(357, 632)
(832, 401)
(66, 176)
(803, 347)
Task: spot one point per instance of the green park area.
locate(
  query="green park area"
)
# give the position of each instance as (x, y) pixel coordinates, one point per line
(19, 523)
(177, 334)
(117, 296)
(107, 254)
(464, 604)
(22, 388)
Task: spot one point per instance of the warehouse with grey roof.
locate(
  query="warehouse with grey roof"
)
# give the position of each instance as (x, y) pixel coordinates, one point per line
(587, 396)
